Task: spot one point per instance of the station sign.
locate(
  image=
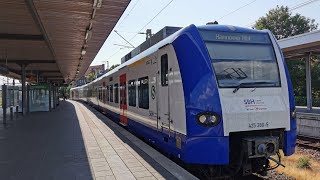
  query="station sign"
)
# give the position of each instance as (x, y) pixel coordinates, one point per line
(259, 38)
(40, 86)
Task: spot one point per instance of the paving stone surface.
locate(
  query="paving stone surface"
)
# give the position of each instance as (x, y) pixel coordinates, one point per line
(76, 142)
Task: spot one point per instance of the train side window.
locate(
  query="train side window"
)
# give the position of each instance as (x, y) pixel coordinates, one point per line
(111, 93)
(164, 70)
(132, 93)
(116, 93)
(143, 92)
(107, 94)
(98, 93)
(123, 93)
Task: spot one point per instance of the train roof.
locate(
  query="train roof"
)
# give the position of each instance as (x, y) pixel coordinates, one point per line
(170, 39)
(145, 53)
(230, 28)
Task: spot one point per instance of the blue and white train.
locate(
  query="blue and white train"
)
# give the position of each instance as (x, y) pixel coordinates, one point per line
(216, 97)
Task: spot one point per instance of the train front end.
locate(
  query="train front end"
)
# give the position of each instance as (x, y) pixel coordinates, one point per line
(239, 99)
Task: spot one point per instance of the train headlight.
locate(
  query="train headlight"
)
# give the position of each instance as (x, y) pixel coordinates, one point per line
(294, 114)
(208, 118)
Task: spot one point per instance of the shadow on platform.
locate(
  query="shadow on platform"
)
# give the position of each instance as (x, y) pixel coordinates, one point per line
(44, 145)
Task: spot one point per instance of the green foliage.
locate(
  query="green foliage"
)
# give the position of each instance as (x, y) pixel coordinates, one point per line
(68, 91)
(91, 77)
(113, 66)
(282, 23)
(304, 163)
(297, 69)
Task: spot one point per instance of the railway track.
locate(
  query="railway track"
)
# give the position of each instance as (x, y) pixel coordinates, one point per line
(307, 142)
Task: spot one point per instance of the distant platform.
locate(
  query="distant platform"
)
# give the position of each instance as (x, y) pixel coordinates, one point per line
(303, 109)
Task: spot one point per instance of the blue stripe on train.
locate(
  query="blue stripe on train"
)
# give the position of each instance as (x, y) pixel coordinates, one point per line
(289, 136)
(192, 149)
(204, 145)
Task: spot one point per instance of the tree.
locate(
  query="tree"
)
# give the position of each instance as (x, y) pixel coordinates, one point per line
(91, 77)
(283, 24)
(113, 66)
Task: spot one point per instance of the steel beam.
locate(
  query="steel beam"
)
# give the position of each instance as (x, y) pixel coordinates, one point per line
(49, 71)
(315, 48)
(308, 81)
(18, 61)
(27, 37)
(37, 20)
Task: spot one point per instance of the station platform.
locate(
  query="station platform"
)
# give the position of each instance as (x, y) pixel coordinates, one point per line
(76, 142)
(303, 109)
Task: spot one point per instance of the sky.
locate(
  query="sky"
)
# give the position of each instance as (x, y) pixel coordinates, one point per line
(181, 13)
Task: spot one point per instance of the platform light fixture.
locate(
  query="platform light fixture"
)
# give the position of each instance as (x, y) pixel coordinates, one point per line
(83, 51)
(97, 4)
(88, 34)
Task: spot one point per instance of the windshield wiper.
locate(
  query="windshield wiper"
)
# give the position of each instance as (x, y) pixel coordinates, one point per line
(250, 83)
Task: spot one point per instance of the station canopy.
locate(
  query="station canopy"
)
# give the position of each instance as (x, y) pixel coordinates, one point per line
(55, 39)
(300, 46)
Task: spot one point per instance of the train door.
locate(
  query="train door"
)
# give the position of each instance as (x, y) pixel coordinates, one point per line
(164, 121)
(123, 100)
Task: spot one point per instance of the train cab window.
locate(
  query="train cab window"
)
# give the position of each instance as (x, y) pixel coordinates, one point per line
(143, 93)
(111, 93)
(164, 70)
(132, 93)
(116, 93)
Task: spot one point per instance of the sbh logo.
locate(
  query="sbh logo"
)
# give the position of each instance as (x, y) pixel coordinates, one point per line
(249, 101)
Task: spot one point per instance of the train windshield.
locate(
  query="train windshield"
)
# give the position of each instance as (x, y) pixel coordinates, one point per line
(245, 60)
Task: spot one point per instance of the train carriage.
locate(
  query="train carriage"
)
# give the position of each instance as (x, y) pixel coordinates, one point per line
(216, 97)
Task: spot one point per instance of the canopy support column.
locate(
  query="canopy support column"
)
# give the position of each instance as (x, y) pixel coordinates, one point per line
(308, 81)
(24, 90)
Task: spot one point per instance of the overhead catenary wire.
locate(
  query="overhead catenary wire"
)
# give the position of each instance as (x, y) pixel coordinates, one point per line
(122, 21)
(114, 54)
(124, 39)
(128, 14)
(162, 9)
(292, 8)
(236, 10)
(152, 19)
(302, 4)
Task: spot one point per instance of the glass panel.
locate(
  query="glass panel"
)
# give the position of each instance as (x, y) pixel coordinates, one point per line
(38, 99)
(116, 93)
(164, 70)
(111, 93)
(231, 37)
(248, 64)
(108, 95)
(132, 93)
(240, 51)
(143, 93)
